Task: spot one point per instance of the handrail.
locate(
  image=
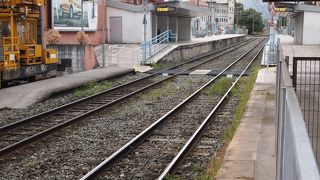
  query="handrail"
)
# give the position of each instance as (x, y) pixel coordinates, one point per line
(156, 44)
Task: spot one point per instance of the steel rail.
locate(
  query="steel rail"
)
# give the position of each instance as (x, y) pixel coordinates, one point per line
(174, 163)
(54, 110)
(9, 149)
(126, 148)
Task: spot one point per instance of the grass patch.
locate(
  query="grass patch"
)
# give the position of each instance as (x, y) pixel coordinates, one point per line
(92, 88)
(242, 91)
(220, 87)
(156, 65)
(169, 90)
(189, 81)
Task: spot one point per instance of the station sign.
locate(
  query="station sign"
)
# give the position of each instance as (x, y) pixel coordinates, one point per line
(165, 9)
(284, 9)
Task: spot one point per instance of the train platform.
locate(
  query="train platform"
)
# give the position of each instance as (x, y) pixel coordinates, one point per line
(291, 49)
(251, 153)
(127, 55)
(22, 96)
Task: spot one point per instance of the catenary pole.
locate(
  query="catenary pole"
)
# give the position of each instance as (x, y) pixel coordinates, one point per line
(103, 35)
(145, 30)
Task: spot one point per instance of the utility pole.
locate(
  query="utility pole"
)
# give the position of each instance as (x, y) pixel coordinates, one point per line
(211, 24)
(103, 35)
(82, 18)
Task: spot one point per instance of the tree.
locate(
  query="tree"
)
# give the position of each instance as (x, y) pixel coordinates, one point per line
(251, 19)
(237, 11)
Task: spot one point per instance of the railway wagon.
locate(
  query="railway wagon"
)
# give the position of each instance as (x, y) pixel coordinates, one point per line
(22, 55)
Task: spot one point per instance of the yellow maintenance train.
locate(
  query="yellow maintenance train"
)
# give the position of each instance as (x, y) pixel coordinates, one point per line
(21, 54)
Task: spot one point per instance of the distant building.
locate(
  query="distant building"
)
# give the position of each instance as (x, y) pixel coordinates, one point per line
(220, 22)
(231, 4)
(201, 25)
(221, 15)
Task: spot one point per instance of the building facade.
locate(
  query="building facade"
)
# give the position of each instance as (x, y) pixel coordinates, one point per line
(66, 18)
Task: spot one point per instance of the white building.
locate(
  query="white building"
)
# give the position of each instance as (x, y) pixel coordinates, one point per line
(221, 15)
(231, 4)
(303, 22)
(125, 20)
(124, 23)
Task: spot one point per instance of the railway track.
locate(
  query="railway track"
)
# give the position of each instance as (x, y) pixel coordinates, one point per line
(21, 133)
(157, 150)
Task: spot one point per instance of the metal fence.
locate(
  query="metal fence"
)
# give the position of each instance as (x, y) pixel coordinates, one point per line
(306, 81)
(156, 44)
(270, 51)
(295, 158)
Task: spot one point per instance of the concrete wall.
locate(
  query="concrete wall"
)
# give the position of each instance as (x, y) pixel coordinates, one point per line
(186, 52)
(311, 28)
(132, 27)
(73, 52)
(162, 23)
(183, 32)
(173, 24)
(298, 26)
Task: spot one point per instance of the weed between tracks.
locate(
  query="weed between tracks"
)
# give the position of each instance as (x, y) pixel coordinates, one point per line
(241, 91)
(168, 90)
(220, 87)
(92, 88)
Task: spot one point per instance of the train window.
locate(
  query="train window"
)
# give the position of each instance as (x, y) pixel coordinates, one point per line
(27, 31)
(5, 28)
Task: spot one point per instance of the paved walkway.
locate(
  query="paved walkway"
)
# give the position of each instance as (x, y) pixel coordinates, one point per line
(24, 95)
(250, 154)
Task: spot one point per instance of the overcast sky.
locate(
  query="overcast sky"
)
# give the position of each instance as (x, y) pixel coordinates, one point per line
(258, 5)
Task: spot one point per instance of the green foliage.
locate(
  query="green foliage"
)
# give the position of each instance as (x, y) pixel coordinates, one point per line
(92, 88)
(190, 81)
(220, 87)
(244, 18)
(156, 65)
(168, 90)
(78, 93)
(242, 90)
(214, 167)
